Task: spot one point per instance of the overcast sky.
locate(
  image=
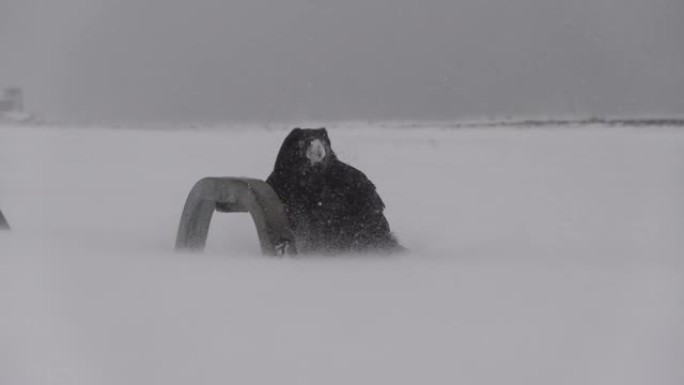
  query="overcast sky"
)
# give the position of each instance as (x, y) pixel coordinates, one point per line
(284, 60)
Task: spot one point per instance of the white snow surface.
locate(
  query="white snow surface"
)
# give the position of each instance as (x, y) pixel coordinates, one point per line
(537, 256)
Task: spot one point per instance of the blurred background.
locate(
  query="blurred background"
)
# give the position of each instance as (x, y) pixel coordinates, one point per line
(293, 60)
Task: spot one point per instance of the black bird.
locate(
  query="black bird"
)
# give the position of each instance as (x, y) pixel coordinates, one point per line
(331, 206)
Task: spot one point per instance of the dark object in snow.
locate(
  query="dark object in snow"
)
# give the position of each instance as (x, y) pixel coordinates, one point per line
(230, 195)
(331, 206)
(4, 225)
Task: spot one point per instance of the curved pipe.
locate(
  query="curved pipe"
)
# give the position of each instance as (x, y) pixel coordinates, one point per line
(4, 225)
(230, 195)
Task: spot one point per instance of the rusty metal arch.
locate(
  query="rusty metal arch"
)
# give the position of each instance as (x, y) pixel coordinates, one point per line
(231, 195)
(4, 225)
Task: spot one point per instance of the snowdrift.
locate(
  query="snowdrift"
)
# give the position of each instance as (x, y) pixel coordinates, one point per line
(537, 256)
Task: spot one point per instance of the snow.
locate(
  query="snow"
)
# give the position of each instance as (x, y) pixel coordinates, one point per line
(537, 256)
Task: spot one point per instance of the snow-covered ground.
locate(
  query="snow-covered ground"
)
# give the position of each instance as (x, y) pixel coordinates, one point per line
(538, 256)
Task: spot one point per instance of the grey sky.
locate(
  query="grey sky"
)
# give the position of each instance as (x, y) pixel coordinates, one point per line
(271, 60)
